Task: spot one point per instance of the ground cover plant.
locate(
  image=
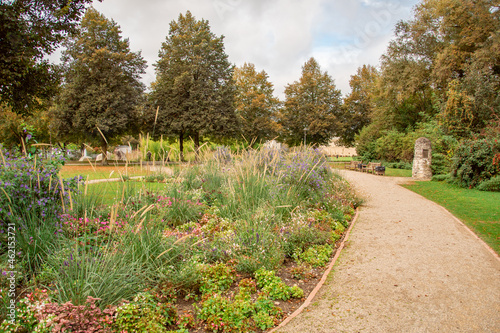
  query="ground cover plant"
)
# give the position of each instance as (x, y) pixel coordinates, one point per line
(223, 246)
(479, 210)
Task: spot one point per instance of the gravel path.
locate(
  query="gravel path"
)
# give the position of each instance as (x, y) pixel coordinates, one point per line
(409, 266)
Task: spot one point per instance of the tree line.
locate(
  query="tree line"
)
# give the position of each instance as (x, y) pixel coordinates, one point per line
(439, 77)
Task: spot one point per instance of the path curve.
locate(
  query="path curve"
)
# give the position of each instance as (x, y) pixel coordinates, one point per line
(409, 266)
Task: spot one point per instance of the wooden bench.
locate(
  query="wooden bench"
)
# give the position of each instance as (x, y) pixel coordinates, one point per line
(353, 165)
(370, 167)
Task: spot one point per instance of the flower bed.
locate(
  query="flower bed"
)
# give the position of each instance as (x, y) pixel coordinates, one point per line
(230, 245)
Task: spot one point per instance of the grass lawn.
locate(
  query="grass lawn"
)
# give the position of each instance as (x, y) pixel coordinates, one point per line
(389, 172)
(479, 210)
(108, 193)
(108, 171)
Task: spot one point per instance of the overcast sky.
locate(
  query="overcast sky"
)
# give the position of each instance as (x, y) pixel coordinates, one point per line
(277, 36)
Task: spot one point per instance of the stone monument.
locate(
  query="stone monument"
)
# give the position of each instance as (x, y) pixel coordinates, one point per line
(422, 159)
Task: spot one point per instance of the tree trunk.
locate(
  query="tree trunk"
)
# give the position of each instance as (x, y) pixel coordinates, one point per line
(197, 146)
(181, 146)
(104, 148)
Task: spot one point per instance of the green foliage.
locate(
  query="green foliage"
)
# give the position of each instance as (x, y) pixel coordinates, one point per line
(476, 161)
(274, 287)
(440, 177)
(439, 79)
(94, 272)
(240, 314)
(101, 88)
(192, 233)
(316, 255)
(358, 105)
(194, 88)
(492, 184)
(312, 108)
(145, 314)
(256, 106)
(29, 31)
(216, 278)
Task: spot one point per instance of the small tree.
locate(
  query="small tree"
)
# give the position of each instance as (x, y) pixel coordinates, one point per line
(194, 88)
(312, 107)
(102, 87)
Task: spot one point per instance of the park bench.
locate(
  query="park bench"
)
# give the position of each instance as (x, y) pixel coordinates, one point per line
(370, 167)
(354, 165)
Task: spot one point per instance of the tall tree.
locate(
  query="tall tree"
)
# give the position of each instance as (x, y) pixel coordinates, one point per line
(102, 82)
(194, 88)
(437, 55)
(29, 30)
(358, 105)
(312, 107)
(256, 105)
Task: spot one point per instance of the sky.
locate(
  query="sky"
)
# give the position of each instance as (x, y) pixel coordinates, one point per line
(277, 36)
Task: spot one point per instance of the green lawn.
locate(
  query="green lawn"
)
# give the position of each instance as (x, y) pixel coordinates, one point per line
(479, 210)
(389, 172)
(109, 193)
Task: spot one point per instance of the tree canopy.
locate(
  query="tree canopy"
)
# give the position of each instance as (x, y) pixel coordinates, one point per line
(29, 30)
(256, 106)
(358, 105)
(312, 107)
(194, 87)
(102, 87)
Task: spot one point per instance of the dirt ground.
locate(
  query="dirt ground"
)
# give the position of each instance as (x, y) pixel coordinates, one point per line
(408, 266)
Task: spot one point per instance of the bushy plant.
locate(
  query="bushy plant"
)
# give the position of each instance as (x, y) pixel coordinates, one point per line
(440, 178)
(146, 313)
(222, 155)
(103, 273)
(301, 233)
(257, 246)
(274, 287)
(35, 313)
(29, 184)
(216, 278)
(476, 161)
(305, 169)
(492, 184)
(316, 255)
(241, 313)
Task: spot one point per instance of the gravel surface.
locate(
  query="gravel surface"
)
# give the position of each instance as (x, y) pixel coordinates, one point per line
(408, 266)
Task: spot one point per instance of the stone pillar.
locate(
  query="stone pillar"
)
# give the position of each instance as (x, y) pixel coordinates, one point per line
(422, 159)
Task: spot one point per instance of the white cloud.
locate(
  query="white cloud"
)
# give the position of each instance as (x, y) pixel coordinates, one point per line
(277, 36)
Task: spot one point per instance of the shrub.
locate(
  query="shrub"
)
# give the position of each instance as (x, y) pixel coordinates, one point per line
(440, 178)
(476, 161)
(30, 184)
(159, 177)
(492, 184)
(36, 314)
(87, 317)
